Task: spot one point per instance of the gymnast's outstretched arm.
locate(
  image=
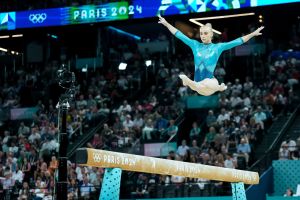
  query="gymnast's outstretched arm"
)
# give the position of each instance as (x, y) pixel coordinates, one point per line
(176, 32)
(257, 32)
(164, 22)
(240, 40)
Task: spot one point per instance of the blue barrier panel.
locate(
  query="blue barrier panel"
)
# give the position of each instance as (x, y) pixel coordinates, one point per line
(265, 186)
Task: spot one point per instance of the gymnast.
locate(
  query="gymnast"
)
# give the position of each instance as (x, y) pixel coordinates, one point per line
(206, 55)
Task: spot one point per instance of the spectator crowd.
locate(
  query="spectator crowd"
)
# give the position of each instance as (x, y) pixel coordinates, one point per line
(226, 138)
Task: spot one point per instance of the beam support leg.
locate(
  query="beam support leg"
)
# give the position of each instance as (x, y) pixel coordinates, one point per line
(238, 191)
(111, 184)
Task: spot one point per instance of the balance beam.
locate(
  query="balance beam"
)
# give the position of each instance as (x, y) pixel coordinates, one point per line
(130, 162)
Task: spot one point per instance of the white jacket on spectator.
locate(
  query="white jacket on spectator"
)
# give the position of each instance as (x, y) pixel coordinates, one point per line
(18, 176)
(50, 145)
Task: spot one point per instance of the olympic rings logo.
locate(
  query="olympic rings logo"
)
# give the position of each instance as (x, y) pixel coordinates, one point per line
(37, 18)
(96, 157)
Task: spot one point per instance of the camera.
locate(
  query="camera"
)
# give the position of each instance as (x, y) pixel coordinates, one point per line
(65, 78)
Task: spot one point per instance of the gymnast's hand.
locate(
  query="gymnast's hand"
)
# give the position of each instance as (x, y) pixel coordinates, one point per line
(257, 31)
(162, 21)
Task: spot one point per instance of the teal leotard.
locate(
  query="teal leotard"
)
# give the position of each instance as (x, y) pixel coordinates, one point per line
(206, 55)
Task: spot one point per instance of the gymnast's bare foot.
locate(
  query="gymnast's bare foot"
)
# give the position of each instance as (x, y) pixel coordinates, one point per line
(223, 87)
(184, 79)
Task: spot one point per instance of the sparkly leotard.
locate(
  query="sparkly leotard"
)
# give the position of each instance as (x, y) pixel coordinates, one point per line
(206, 55)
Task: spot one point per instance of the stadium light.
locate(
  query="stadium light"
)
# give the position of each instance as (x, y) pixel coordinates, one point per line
(122, 66)
(195, 20)
(4, 36)
(200, 24)
(17, 35)
(148, 63)
(223, 16)
(84, 69)
(3, 49)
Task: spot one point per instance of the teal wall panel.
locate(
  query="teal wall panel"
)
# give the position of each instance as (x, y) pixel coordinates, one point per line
(194, 198)
(286, 175)
(196, 102)
(282, 198)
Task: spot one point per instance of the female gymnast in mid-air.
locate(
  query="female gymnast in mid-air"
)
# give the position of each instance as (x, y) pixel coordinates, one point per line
(206, 55)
